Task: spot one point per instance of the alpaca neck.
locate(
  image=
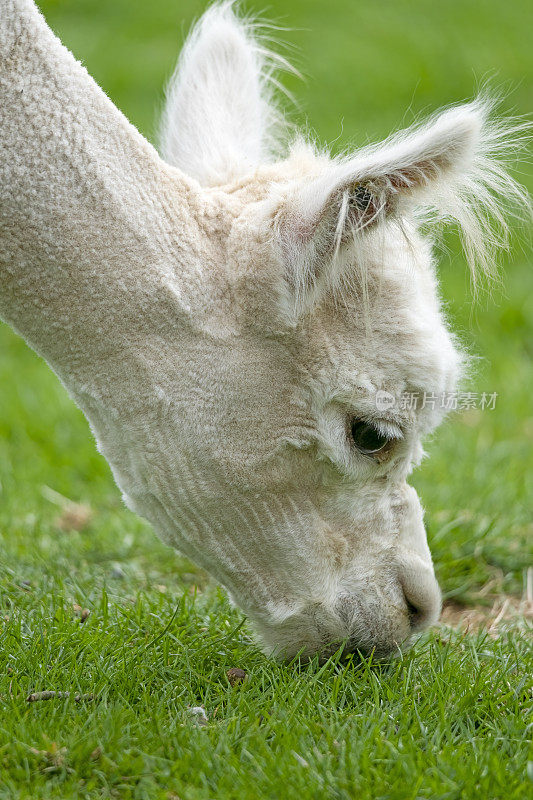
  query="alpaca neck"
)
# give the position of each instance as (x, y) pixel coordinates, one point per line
(88, 211)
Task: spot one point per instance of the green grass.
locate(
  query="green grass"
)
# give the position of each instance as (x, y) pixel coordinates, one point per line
(448, 720)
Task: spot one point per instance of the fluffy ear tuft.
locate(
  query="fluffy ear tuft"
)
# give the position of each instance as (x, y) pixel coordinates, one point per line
(451, 169)
(219, 119)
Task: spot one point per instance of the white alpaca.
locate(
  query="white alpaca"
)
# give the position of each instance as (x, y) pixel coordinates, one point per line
(226, 317)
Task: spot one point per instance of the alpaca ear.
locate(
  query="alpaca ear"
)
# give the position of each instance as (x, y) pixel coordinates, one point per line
(420, 166)
(217, 121)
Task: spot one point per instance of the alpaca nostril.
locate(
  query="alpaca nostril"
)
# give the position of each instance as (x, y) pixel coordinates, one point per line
(422, 611)
(421, 594)
(414, 614)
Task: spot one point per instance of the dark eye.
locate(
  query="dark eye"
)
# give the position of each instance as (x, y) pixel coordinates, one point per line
(366, 438)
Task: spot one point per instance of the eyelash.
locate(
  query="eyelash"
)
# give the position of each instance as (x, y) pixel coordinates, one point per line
(367, 439)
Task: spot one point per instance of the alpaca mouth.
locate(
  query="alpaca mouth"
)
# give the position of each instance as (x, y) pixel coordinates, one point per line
(354, 625)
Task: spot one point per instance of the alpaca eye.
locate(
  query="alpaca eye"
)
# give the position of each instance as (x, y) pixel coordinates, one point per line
(366, 438)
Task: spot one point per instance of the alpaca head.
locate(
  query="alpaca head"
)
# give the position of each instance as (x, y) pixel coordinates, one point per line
(290, 445)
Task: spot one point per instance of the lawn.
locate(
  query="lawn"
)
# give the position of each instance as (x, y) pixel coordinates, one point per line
(91, 603)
